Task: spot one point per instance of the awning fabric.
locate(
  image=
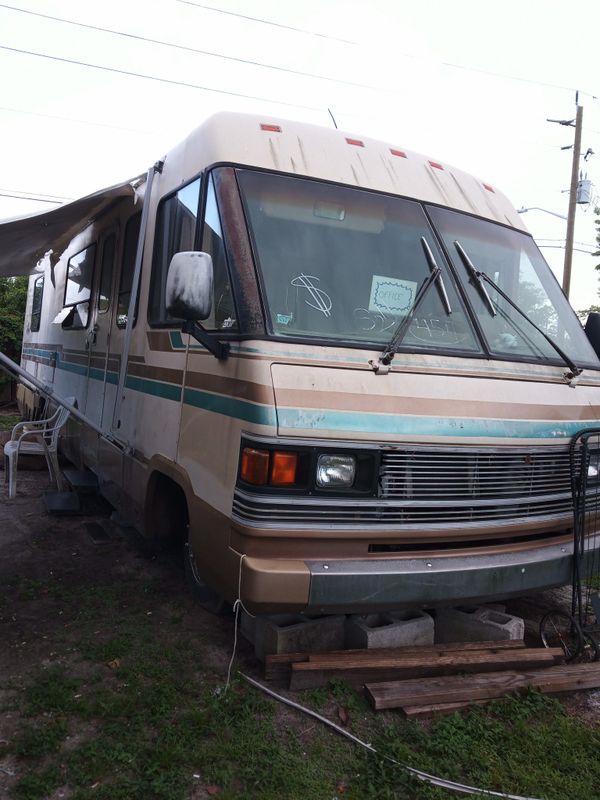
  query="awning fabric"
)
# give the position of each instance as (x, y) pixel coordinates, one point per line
(25, 240)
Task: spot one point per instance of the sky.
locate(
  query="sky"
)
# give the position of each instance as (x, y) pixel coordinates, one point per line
(469, 83)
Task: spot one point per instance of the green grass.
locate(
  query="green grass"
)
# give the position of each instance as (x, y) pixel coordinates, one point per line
(8, 421)
(132, 711)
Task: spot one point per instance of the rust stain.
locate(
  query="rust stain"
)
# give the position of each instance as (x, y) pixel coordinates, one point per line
(303, 154)
(273, 153)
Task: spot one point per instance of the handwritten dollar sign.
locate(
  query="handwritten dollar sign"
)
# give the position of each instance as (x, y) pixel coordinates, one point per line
(322, 301)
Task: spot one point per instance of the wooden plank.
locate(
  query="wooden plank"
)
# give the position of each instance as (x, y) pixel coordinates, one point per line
(310, 674)
(466, 688)
(278, 664)
(439, 709)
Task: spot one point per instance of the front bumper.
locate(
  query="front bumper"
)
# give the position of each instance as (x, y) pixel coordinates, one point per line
(361, 586)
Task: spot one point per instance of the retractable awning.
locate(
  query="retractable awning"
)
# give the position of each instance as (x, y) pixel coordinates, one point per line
(25, 240)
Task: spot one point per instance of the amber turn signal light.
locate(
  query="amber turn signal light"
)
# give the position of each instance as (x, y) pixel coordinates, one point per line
(283, 468)
(255, 466)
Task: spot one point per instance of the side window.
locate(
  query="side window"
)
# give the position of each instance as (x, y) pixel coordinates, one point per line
(36, 304)
(175, 233)
(78, 288)
(106, 273)
(132, 232)
(223, 315)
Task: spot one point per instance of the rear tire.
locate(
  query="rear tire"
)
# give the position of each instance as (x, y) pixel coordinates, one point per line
(204, 594)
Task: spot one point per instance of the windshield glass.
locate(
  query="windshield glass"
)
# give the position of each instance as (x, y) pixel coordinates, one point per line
(513, 262)
(343, 263)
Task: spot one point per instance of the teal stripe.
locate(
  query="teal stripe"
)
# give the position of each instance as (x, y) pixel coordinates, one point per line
(156, 388)
(231, 407)
(33, 351)
(428, 426)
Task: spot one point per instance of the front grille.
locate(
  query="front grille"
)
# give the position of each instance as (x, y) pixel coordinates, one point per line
(434, 474)
(435, 488)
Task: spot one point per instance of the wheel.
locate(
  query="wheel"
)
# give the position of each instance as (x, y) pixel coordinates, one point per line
(205, 595)
(559, 629)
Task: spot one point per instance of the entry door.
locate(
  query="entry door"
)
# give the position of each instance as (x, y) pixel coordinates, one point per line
(98, 345)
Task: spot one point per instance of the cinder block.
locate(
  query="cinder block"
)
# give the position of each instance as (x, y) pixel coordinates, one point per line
(472, 624)
(295, 633)
(389, 629)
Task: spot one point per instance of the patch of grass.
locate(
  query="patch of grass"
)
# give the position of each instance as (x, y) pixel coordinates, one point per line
(46, 736)
(52, 690)
(525, 745)
(39, 784)
(8, 421)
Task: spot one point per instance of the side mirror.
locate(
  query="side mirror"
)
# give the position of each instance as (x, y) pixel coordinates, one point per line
(592, 330)
(189, 288)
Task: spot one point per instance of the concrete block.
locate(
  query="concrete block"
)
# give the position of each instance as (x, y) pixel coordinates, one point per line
(473, 624)
(389, 629)
(295, 633)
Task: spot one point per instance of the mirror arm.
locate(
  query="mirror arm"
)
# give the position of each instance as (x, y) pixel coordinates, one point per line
(219, 349)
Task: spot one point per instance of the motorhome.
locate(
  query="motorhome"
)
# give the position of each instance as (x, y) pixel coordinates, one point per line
(340, 371)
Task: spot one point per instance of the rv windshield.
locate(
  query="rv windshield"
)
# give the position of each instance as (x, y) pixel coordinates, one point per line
(343, 263)
(513, 262)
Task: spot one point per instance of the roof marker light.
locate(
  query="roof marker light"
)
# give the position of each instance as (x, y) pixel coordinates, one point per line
(435, 165)
(272, 128)
(489, 188)
(355, 142)
(400, 153)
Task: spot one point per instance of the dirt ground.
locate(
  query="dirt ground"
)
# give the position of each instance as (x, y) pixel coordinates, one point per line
(45, 561)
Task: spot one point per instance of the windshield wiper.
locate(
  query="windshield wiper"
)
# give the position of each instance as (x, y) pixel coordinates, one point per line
(480, 277)
(382, 365)
(476, 278)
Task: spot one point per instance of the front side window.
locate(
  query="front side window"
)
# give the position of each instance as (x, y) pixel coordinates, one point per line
(175, 233)
(223, 315)
(78, 288)
(343, 263)
(36, 303)
(512, 261)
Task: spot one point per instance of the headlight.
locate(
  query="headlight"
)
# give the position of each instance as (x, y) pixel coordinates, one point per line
(334, 471)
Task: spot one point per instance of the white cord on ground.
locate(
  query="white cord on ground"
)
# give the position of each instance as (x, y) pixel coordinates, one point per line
(424, 776)
(236, 607)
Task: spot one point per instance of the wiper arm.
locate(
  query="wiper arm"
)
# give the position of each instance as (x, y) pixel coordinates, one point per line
(381, 366)
(574, 370)
(440, 281)
(475, 278)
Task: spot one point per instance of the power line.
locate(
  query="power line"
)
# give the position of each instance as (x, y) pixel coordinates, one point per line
(71, 119)
(185, 48)
(266, 22)
(35, 199)
(37, 194)
(170, 81)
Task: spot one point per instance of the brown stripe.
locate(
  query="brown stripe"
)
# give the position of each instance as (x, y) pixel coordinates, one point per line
(436, 407)
(159, 340)
(156, 373)
(245, 390)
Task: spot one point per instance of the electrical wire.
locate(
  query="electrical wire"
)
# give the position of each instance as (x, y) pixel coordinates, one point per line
(35, 199)
(424, 776)
(185, 48)
(37, 194)
(266, 22)
(72, 119)
(157, 78)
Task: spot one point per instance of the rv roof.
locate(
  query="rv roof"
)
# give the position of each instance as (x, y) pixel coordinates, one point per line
(274, 144)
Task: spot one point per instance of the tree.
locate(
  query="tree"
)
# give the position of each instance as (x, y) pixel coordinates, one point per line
(13, 298)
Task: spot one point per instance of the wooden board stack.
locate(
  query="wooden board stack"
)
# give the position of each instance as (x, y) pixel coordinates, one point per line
(431, 680)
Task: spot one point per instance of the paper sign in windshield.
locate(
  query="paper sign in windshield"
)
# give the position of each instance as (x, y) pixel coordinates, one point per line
(391, 295)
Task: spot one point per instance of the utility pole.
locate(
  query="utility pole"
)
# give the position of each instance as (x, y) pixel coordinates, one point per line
(566, 284)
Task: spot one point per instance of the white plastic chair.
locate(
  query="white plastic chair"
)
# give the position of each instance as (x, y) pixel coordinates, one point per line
(36, 438)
